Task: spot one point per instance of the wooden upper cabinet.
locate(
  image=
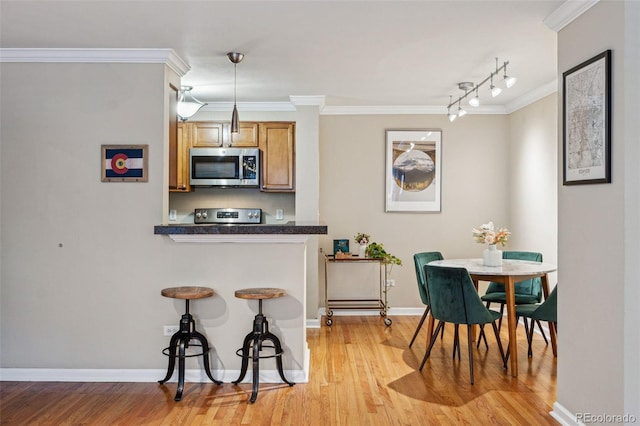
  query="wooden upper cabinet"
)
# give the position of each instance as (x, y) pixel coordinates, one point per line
(206, 134)
(173, 137)
(184, 143)
(278, 153)
(247, 135)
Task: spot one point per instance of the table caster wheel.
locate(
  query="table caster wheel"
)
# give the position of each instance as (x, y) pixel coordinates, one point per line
(387, 322)
(383, 314)
(329, 313)
(328, 321)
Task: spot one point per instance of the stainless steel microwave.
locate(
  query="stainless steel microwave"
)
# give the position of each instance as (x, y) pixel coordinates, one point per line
(230, 167)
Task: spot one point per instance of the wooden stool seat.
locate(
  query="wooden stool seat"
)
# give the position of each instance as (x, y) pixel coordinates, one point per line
(182, 339)
(254, 342)
(187, 292)
(260, 293)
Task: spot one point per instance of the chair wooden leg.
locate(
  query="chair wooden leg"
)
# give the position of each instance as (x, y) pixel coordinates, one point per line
(424, 316)
(501, 315)
(528, 328)
(482, 336)
(433, 340)
(506, 357)
(470, 345)
(456, 341)
(544, 336)
(502, 355)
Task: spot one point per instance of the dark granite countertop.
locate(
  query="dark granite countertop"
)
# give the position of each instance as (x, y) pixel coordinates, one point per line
(226, 229)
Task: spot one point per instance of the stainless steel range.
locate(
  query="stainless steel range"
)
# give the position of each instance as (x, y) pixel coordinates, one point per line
(231, 216)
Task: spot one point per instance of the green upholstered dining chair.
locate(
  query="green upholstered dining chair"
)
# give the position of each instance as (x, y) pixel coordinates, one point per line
(453, 298)
(526, 292)
(545, 311)
(420, 260)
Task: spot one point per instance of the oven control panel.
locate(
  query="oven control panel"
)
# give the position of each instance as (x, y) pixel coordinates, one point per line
(233, 216)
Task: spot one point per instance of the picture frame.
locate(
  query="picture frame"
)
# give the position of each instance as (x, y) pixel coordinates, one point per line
(413, 170)
(341, 246)
(586, 123)
(124, 163)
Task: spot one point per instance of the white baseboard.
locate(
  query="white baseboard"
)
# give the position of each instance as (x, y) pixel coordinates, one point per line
(564, 416)
(148, 375)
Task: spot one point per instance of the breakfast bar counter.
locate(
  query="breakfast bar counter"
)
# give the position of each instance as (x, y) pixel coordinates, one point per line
(229, 257)
(290, 228)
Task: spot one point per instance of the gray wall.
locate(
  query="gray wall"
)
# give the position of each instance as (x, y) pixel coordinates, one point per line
(81, 268)
(598, 237)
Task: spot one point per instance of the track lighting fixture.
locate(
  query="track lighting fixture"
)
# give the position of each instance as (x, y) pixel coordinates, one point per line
(452, 116)
(471, 88)
(235, 59)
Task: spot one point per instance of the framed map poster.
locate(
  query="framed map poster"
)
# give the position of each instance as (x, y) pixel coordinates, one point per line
(413, 166)
(586, 105)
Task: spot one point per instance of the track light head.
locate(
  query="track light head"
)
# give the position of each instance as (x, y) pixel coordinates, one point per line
(508, 81)
(475, 101)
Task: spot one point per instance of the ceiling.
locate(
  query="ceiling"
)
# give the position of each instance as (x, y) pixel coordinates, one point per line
(355, 53)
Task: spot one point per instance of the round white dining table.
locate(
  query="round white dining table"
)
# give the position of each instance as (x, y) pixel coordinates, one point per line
(511, 272)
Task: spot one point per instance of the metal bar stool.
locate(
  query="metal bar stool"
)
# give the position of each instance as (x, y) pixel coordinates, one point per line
(180, 340)
(254, 341)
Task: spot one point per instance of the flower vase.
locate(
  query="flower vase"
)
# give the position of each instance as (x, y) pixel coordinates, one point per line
(363, 250)
(491, 256)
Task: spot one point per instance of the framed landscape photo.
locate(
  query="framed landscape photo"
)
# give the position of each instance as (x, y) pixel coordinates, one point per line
(586, 91)
(124, 163)
(413, 170)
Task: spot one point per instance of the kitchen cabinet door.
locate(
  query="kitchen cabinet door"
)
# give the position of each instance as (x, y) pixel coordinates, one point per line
(247, 135)
(206, 134)
(276, 141)
(182, 159)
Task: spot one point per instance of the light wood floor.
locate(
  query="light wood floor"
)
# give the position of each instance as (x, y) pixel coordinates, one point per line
(362, 373)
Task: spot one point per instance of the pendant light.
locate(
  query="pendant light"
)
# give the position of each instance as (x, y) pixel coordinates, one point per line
(235, 59)
(187, 103)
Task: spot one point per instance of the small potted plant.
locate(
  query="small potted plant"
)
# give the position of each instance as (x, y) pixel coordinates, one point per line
(377, 251)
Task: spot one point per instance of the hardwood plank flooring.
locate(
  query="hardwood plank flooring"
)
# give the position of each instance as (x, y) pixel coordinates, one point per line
(362, 373)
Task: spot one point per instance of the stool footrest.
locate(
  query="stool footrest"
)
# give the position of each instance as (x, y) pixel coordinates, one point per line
(249, 356)
(166, 351)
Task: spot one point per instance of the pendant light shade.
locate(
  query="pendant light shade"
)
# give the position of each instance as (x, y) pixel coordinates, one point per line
(235, 59)
(234, 120)
(187, 104)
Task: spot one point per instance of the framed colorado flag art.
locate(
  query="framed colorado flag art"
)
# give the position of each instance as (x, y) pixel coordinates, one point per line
(125, 163)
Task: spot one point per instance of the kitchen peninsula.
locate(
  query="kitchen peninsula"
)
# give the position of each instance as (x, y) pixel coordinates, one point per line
(235, 256)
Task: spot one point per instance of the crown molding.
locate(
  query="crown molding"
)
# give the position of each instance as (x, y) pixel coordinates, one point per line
(308, 100)
(532, 96)
(249, 106)
(567, 12)
(132, 56)
(404, 110)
